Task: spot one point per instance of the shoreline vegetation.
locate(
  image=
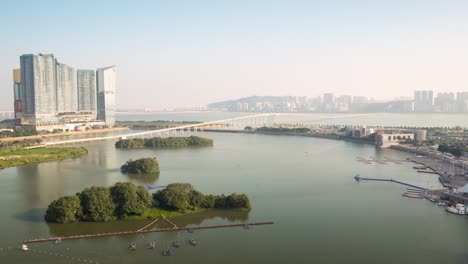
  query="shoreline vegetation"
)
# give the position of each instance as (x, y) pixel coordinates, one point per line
(141, 166)
(17, 157)
(159, 142)
(127, 201)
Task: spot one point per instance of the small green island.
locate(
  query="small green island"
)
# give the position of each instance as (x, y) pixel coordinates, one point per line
(127, 201)
(141, 166)
(159, 142)
(21, 156)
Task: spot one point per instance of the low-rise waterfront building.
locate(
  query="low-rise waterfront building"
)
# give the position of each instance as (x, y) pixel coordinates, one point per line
(385, 139)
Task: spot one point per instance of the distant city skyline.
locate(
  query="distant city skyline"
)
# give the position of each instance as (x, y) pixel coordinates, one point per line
(186, 54)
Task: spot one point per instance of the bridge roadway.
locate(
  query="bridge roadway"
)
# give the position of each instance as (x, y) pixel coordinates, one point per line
(158, 131)
(254, 119)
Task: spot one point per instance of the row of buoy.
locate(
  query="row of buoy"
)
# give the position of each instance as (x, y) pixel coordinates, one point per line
(165, 252)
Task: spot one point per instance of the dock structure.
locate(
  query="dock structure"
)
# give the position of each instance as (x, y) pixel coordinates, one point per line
(385, 160)
(140, 231)
(359, 178)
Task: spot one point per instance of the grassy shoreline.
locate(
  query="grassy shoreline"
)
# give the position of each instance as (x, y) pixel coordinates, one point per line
(17, 157)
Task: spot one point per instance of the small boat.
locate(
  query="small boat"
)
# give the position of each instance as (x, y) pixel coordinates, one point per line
(246, 226)
(24, 247)
(441, 204)
(190, 230)
(176, 244)
(193, 242)
(132, 246)
(452, 209)
(167, 252)
(58, 241)
(151, 245)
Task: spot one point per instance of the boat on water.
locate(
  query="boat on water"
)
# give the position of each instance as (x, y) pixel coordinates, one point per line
(58, 241)
(193, 242)
(151, 245)
(176, 244)
(132, 246)
(458, 209)
(452, 209)
(24, 247)
(167, 252)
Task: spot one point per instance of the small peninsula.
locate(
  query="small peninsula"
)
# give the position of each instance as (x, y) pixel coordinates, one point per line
(159, 142)
(127, 201)
(17, 157)
(141, 166)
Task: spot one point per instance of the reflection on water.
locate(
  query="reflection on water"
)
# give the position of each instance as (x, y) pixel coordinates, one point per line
(114, 226)
(143, 179)
(32, 215)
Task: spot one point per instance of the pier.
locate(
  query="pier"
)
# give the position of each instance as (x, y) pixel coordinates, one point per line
(359, 178)
(142, 231)
(385, 160)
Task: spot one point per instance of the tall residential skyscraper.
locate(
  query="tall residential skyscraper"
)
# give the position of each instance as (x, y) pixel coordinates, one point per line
(38, 90)
(106, 95)
(86, 81)
(423, 101)
(328, 104)
(66, 89)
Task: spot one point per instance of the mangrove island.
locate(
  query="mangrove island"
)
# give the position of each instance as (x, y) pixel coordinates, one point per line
(129, 201)
(141, 166)
(159, 142)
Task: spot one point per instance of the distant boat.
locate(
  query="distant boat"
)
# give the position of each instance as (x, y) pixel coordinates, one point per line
(132, 246)
(452, 209)
(151, 245)
(193, 242)
(24, 247)
(167, 252)
(357, 177)
(58, 241)
(176, 244)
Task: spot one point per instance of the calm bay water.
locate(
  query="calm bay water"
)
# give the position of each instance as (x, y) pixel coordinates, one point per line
(304, 185)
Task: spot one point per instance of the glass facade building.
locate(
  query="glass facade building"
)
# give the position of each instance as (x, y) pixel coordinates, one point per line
(67, 101)
(106, 95)
(86, 81)
(38, 90)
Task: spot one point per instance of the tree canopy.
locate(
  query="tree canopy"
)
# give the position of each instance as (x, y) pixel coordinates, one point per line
(64, 210)
(130, 199)
(159, 142)
(97, 204)
(139, 166)
(183, 197)
(123, 200)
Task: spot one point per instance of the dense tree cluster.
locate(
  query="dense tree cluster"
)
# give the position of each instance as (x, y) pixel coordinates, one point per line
(139, 166)
(283, 130)
(183, 197)
(455, 149)
(18, 133)
(159, 142)
(100, 204)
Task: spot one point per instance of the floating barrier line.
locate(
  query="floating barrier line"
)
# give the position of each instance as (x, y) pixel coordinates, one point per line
(39, 240)
(358, 178)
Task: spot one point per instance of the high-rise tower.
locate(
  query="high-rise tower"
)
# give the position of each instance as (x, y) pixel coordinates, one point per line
(106, 95)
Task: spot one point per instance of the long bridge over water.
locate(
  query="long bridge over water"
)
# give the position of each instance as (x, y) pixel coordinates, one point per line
(237, 123)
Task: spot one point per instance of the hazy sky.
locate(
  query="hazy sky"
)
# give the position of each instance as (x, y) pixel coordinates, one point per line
(189, 53)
